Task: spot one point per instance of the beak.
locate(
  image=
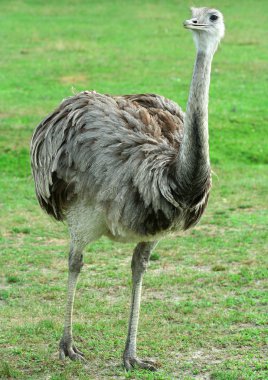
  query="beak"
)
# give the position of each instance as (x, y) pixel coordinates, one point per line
(193, 24)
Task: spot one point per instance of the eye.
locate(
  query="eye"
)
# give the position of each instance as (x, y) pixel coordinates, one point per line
(213, 18)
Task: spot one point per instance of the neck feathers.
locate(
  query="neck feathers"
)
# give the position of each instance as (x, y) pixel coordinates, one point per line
(195, 141)
(193, 165)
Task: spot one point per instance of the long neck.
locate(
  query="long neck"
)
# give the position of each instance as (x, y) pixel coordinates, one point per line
(193, 158)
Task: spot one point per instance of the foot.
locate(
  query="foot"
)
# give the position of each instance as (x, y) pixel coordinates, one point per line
(67, 348)
(131, 363)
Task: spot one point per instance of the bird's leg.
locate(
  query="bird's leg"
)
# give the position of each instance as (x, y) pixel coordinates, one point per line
(140, 260)
(67, 348)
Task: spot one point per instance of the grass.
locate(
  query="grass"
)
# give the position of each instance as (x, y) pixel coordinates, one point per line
(204, 310)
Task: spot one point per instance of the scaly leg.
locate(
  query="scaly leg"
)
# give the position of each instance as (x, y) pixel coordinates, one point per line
(67, 348)
(140, 260)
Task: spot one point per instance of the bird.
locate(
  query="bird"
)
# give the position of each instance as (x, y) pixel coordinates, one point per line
(134, 168)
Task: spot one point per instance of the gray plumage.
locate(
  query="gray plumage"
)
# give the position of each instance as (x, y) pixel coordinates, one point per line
(133, 168)
(120, 153)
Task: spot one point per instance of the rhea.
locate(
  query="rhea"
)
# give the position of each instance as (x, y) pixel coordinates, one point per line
(135, 168)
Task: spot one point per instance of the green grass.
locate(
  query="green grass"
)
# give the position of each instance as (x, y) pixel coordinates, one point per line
(204, 309)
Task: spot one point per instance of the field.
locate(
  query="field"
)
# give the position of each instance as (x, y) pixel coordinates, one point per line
(205, 295)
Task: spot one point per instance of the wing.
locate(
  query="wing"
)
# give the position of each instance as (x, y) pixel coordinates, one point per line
(113, 150)
(167, 114)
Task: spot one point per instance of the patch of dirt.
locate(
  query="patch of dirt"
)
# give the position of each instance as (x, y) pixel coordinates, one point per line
(57, 241)
(149, 294)
(200, 359)
(214, 356)
(73, 79)
(164, 268)
(213, 230)
(4, 115)
(243, 326)
(201, 268)
(204, 376)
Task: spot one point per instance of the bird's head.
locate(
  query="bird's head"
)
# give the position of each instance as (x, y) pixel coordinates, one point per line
(207, 25)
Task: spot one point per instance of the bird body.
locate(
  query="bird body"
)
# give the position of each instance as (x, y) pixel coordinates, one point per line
(134, 168)
(116, 156)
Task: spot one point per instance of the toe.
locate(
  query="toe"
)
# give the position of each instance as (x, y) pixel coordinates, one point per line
(131, 363)
(69, 349)
(127, 365)
(62, 355)
(76, 357)
(78, 351)
(147, 364)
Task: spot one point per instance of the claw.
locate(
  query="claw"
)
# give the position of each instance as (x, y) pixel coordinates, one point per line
(67, 349)
(131, 363)
(78, 351)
